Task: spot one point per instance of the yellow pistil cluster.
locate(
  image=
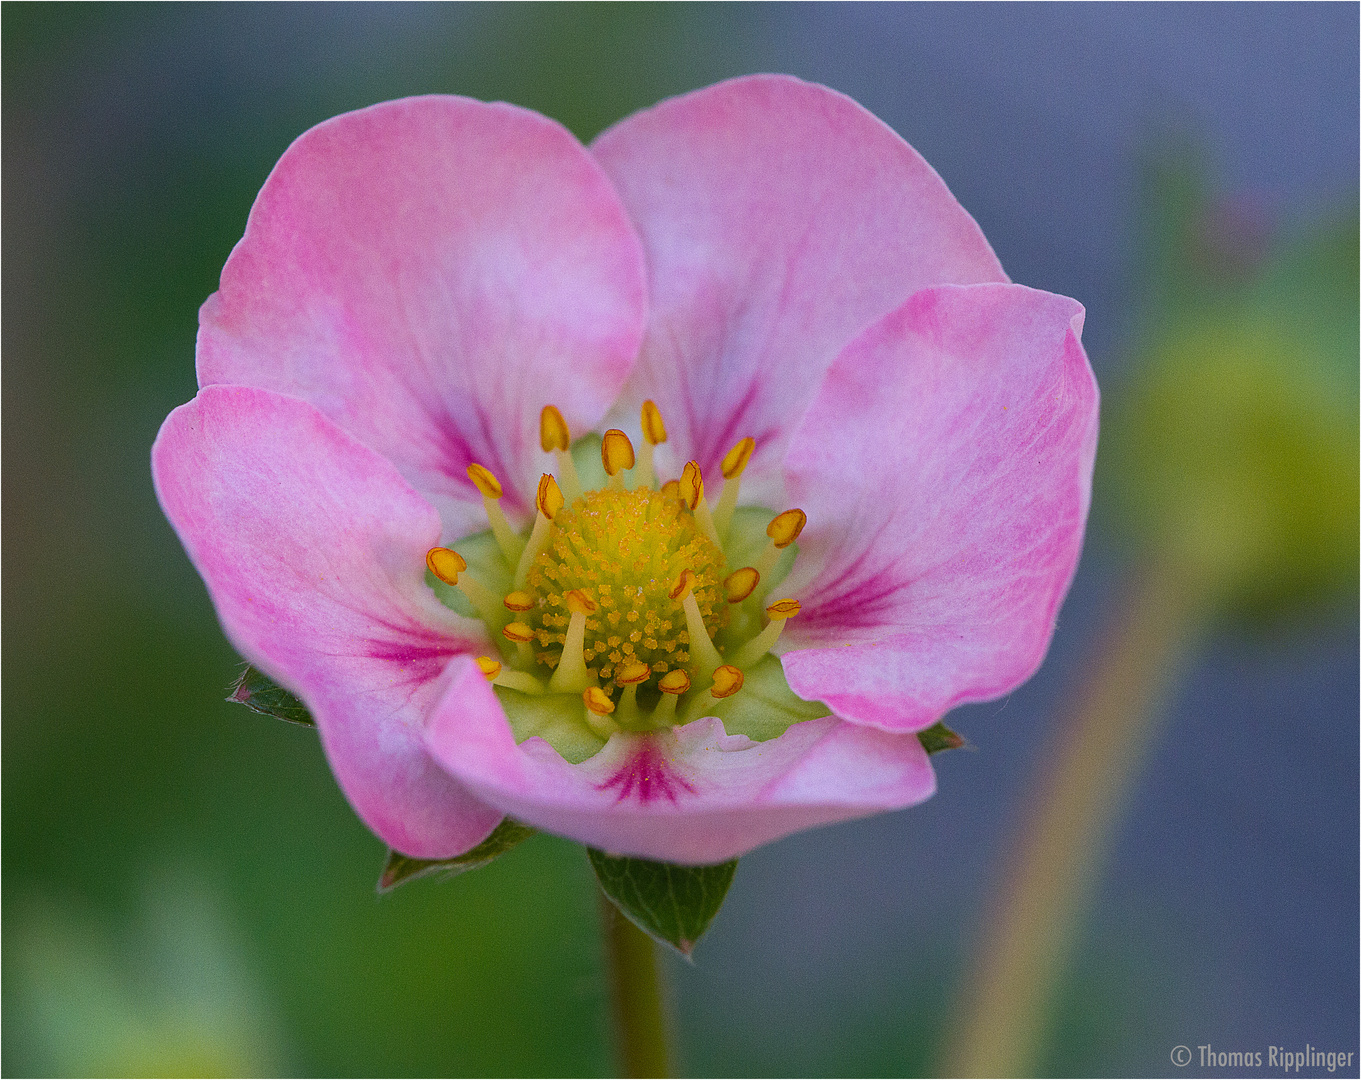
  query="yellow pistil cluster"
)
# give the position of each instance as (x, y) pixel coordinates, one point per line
(628, 587)
(625, 550)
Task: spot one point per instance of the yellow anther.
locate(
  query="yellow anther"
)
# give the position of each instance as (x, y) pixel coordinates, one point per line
(684, 583)
(674, 682)
(489, 667)
(691, 485)
(517, 631)
(485, 480)
(635, 672)
(654, 431)
(578, 603)
(549, 499)
(671, 489)
(597, 701)
(553, 433)
(616, 452)
(727, 681)
(519, 601)
(784, 528)
(741, 583)
(763, 642)
(446, 564)
(735, 460)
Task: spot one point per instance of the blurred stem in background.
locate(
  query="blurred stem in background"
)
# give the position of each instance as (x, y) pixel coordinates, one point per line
(636, 996)
(1229, 472)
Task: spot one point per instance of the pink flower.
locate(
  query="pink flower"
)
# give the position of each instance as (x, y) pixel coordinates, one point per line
(759, 260)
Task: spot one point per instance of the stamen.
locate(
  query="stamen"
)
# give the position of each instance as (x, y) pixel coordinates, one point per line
(598, 709)
(783, 530)
(506, 538)
(727, 681)
(734, 463)
(571, 676)
(519, 601)
(522, 634)
(671, 489)
(672, 685)
(630, 677)
(692, 494)
(703, 655)
(499, 675)
(740, 584)
(556, 439)
(616, 454)
(449, 566)
(548, 501)
(654, 434)
(763, 642)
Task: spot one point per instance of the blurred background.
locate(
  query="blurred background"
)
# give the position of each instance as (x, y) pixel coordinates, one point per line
(186, 891)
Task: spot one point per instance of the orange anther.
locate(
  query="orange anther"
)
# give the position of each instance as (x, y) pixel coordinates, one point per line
(654, 431)
(727, 681)
(634, 672)
(553, 433)
(485, 480)
(446, 564)
(519, 601)
(691, 484)
(517, 631)
(684, 583)
(489, 667)
(616, 452)
(578, 603)
(735, 460)
(671, 489)
(741, 583)
(674, 682)
(549, 499)
(783, 609)
(597, 701)
(784, 528)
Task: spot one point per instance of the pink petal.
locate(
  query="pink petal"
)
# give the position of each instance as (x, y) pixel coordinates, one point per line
(695, 795)
(945, 467)
(780, 219)
(313, 548)
(430, 273)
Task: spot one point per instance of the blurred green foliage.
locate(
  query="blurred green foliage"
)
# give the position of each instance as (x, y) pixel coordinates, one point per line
(1232, 448)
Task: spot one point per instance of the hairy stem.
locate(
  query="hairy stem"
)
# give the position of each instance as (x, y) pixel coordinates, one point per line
(636, 992)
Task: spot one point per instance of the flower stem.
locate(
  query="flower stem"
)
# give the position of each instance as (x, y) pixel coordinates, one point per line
(1025, 945)
(639, 1018)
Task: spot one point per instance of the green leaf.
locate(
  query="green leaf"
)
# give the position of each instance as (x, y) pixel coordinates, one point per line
(257, 691)
(402, 868)
(938, 737)
(674, 904)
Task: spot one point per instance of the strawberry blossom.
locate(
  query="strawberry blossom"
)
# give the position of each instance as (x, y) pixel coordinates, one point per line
(656, 493)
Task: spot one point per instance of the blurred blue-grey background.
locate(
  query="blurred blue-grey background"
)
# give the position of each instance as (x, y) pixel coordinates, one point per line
(185, 890)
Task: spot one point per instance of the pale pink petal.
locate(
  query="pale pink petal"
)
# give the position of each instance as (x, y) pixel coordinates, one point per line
(779, 219)
(430, 273)
(945, 467)
(313, 549)
(695, 795)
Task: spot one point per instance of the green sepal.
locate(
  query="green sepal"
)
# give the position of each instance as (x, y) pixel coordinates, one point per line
(672, 904)
(258, 692)
(401, 868)
(938, 737)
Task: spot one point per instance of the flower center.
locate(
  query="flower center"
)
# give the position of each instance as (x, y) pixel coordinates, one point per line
(626, 550)
(623, 589)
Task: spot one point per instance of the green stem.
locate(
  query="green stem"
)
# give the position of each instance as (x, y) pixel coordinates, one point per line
(639, 1018)
(1088, 771)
